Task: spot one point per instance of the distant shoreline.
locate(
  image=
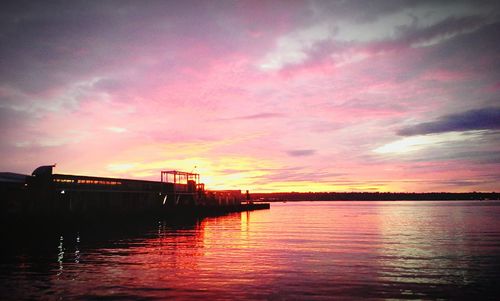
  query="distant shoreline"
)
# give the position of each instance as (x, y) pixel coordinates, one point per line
(374, 196)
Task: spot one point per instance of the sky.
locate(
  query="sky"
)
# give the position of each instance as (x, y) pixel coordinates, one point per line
(260, 95)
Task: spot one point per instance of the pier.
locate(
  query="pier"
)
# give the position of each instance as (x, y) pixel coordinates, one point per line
(48, 194)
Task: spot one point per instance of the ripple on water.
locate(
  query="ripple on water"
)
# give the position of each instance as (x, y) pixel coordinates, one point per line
(306, 251)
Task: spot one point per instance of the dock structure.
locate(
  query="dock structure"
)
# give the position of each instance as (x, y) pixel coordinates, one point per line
(45, 193)
(186, 187)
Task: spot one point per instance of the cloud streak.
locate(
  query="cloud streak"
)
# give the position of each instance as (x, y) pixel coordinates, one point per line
(256, 116)
(301, 152)
(480, 119)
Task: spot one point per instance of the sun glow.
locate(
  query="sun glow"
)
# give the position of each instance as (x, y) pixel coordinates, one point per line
(221, 173)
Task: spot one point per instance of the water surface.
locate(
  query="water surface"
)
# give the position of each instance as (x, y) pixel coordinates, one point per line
(295, 251)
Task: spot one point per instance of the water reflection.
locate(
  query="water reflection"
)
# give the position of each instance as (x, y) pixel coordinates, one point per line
(414, 252)
(432, 248)
(60, 256)
(302, 251)
(77, 248)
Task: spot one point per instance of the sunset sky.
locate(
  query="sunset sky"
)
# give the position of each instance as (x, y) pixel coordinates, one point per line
(259, 95)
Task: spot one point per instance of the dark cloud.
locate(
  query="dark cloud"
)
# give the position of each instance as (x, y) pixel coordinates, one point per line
(408, 35)
(301, 152)
(474, 52)
(363, 11)
(449, 26)
(461, 183)
(47, 44)
(50, 44)
(480, 156)
(405, 37)
(482, 119)
(11, 123)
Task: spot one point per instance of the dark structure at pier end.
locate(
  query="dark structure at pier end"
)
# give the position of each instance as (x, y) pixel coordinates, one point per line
(47, 194)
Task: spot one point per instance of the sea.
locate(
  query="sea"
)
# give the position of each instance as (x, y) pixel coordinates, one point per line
(338, 250)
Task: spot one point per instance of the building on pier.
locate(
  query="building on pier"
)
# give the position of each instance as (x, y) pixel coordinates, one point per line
(48, 193)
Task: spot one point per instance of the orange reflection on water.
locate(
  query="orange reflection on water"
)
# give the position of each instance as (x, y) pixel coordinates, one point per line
(353, 249)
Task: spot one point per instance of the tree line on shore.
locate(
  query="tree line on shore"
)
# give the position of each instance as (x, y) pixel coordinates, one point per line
(373, 196)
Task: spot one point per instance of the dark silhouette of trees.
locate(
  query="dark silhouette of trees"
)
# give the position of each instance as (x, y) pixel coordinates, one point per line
(374, 196)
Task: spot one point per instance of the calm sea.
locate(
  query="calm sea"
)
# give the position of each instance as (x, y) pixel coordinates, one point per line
(294, 251)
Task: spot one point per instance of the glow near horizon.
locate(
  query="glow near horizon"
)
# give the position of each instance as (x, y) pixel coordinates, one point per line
(267, 97)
